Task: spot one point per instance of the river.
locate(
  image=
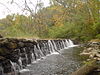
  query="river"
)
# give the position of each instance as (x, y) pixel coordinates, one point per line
(63, 63)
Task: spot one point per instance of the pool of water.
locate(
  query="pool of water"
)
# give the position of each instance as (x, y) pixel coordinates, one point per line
(63, 63)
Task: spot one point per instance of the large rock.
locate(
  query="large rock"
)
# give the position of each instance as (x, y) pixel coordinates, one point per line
(92, 49)
(5, 65)
(1, 36)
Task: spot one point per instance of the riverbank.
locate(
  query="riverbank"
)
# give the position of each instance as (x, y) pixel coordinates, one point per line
(92, 52)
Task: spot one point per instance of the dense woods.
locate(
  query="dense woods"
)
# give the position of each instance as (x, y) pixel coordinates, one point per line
(75, 19)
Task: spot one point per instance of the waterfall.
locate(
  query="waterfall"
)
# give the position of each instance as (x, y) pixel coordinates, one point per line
(67, 43)
(41, 53)
(33, 52)
(53, 51)
(36, 51)
(51, 46)
(32, 55)
(20, 63)
(1, 70)
(25, 55)
(70, 43)
(54, 45)
(63, 43)
(14, 67)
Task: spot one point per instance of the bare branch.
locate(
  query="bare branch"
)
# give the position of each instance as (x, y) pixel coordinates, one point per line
(12, 1)
(5, 6)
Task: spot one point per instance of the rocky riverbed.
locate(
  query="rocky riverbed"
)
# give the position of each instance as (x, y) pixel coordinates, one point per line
(92, 49)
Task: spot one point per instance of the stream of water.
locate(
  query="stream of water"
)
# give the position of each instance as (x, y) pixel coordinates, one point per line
(46, 57)
(63, 63)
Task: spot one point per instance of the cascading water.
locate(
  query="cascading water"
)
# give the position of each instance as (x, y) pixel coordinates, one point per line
(41, 53)
(36, 51)
(32, 56)
(70, 43)
(20, 63)
(25, 55)
(51, 46)
(14, 67)
(40, 50)
(54, 45)
(1, 70)
(67, 43)
(63, 43)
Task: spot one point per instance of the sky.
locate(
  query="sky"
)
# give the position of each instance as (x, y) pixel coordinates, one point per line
(17, 7)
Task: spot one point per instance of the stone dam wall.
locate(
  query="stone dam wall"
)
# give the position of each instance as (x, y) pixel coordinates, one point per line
(16, 54)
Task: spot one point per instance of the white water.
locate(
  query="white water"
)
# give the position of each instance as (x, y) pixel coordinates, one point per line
(55, 45)
(70, 43)
(63, 44)
(20, 63)
(55, 53)
(1, 70)
(40, 49)
(24, 70)
(25, 55)
(67, 43)
(53, 50)
(35, 49)
(51, 46)
(32, 56)
(14, 67)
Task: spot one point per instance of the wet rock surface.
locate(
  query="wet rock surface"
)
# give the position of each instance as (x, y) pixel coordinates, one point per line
(18, 53)
(92, 49)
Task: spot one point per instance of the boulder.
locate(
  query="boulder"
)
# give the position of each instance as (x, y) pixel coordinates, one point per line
(98, 55)
(2, 59)
(1, 36)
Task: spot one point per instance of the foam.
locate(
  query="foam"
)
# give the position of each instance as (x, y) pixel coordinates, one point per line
(24, 70)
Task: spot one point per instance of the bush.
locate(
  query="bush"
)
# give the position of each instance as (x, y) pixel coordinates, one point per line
(65, 31)
(98, 36)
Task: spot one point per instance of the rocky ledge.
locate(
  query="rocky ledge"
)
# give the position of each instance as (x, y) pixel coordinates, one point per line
(16, 54)
(9, 52)
(92, 49)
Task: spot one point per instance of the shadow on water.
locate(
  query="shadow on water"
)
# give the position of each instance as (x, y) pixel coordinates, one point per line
(56, 64)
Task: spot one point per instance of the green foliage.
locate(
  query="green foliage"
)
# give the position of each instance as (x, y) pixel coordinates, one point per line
(96, 27)
(19, 27)
(78, 20)
(56, 32)
(64, 31)
(98, 36)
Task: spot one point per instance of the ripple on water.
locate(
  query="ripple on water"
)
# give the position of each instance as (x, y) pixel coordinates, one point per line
(54, 64)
